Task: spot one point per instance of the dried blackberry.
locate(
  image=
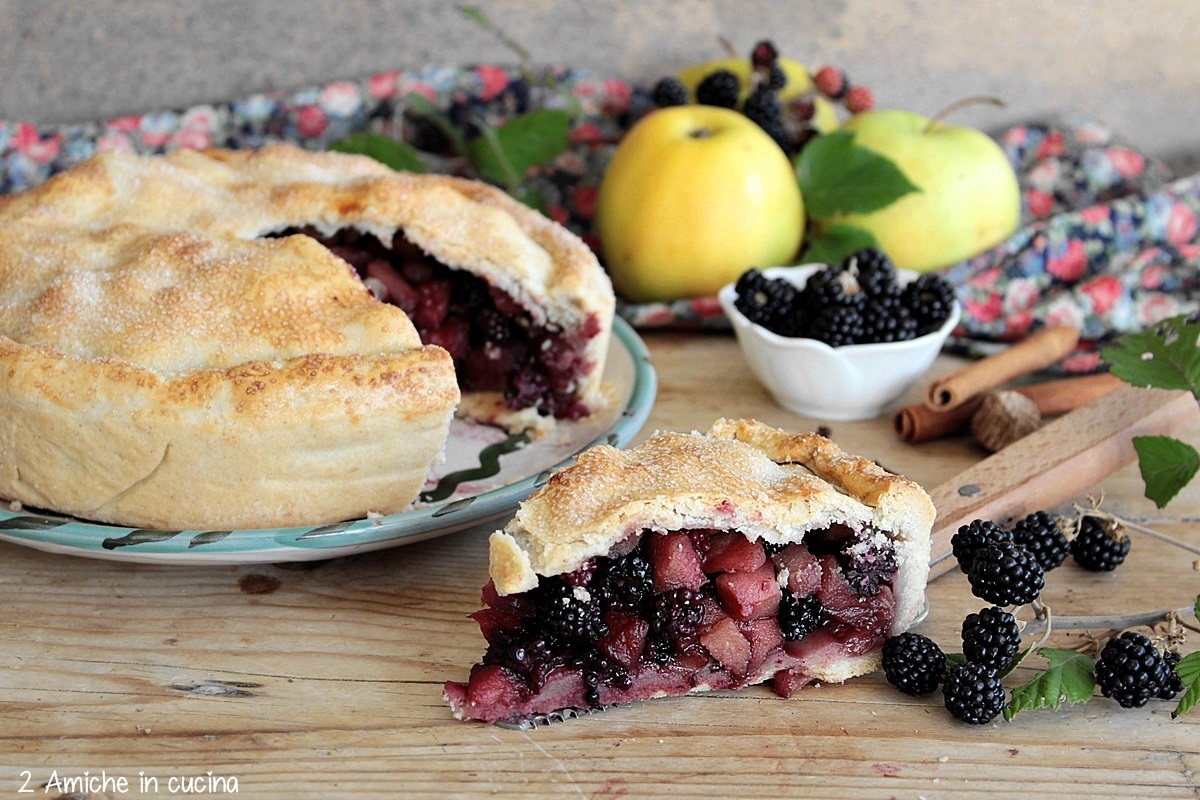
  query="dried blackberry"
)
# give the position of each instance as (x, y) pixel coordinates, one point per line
(913, 663)
(769, 302)
(930, 299)
(799, 616)
(1006, 574)
(669, 91)
(973, 693)
(973, 537)
(1130, 670)
(1039, 534)
(570, 612)
(1100, 545)
(991, 637)
(720, 88)
(625, 583)
(676, 615)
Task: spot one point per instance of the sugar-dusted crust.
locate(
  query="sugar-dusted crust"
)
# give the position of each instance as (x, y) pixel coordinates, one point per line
(161, 365)
(742, 475)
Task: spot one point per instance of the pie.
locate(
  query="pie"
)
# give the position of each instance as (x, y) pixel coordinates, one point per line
(192, 341)
(696, 562)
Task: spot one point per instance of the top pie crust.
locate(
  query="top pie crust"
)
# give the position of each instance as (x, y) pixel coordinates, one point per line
(161, 365)
(742, 475)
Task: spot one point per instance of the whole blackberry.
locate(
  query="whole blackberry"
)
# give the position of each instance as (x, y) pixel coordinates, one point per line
(763, 108)
(837, 325)
(669, 91)
(799, 616)
(991, 637)
(719, 88)
(973, 537)
(831, 286)
(1039, 534)
(1099, 546)
(625, 583)
(876, 272)
(886, 320)
(973, 693)
(768, 302)
(1173, 685)
(1130, 670)
(570, 612)
(930, 299)
(1006, 574)
(675, 615)
(913, 663)
(776, 77)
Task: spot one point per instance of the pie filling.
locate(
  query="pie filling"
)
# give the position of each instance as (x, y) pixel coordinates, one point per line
(496, 343)
(677, 611)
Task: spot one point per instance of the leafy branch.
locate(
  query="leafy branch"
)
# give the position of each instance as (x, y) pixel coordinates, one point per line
(1165, 356)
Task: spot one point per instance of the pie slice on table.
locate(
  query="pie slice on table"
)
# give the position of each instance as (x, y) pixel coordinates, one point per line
(197, 340)
(696, 562)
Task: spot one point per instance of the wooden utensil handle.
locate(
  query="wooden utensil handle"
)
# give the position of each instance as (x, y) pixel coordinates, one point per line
(1056, 462)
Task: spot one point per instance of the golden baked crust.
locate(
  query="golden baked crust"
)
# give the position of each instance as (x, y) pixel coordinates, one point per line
(742, 475)
(162, 364)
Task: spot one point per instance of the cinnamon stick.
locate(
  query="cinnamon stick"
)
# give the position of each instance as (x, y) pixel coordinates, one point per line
(917, 423)
(1035, 352)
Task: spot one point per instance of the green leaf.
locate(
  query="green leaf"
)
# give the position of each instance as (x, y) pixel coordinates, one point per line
(1164, 356)
(1196, 608)
(1068, 678)
(830, 244)
(954, 659)
(1167, 466)
(505, 154)
(839, 177)
(1189, 673)
(386, 150)
(419, 104)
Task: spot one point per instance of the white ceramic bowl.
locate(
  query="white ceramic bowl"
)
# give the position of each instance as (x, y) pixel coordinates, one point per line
(839, 384)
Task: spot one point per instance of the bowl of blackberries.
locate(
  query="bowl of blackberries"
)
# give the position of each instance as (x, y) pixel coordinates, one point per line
(840, 342)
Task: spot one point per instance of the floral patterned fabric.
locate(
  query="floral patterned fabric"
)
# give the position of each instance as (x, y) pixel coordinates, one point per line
(1109, 242)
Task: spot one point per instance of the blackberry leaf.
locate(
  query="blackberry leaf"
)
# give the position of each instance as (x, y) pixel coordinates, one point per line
(1188, 670)
(838, 176)
(1165, 356)
(1167, 466)
(1067, 679)
(503, 155)
(384, 149)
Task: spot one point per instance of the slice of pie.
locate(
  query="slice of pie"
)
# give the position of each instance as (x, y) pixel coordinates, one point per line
(696, 562)
(191, 341)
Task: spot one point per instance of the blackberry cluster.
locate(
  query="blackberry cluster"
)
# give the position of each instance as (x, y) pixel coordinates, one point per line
(1039, 534)
(973, 693)
(1006, 574)
(913, 663)
(859, 301)
(1099, 546)
(991, 637)
(1130, 670)
(799, 616)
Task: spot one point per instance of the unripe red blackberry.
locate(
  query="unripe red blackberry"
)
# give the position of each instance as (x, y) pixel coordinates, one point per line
(831, 82)
(859, 99)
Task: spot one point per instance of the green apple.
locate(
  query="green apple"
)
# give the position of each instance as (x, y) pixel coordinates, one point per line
(968, 199)
(694, 196)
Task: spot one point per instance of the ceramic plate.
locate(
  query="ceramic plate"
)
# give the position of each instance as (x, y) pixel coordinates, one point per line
(486, 474)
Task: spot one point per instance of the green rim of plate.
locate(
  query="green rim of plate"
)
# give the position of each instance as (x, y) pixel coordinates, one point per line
(299, 543)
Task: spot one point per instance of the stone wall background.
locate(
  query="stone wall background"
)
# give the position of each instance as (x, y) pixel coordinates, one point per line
(1136, 66)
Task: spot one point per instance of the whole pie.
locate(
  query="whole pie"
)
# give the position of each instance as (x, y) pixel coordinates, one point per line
(696, 562)
(246, 339)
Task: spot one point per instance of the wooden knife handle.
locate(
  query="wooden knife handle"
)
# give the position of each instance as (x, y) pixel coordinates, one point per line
(1056, 462)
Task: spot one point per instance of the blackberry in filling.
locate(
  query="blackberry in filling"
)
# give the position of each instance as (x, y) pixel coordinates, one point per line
(683, 610)
(496, 343)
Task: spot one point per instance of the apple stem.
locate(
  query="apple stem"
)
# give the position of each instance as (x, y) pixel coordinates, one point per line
(730, 50)
(963, 103)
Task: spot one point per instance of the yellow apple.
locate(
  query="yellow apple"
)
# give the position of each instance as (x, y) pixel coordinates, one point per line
(694, 196)
(968, 199)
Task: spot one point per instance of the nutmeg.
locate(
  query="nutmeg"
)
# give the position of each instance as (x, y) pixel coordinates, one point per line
(1002, 418)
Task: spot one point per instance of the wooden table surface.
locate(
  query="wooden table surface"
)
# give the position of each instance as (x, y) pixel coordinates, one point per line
(325, 680)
